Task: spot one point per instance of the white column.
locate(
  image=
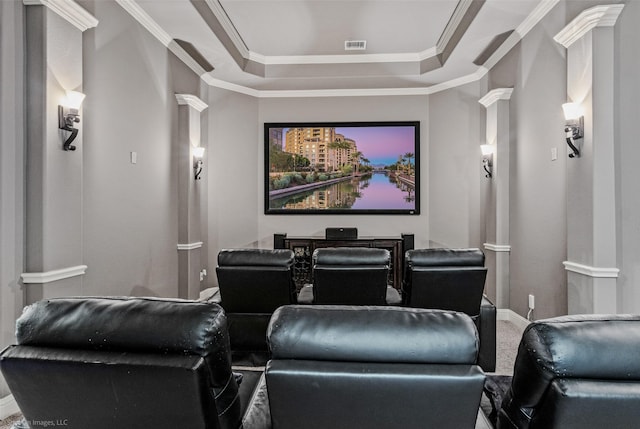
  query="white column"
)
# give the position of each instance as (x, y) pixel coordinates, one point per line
(591, 226)
(190, 243)
(54, 214)
(497, 229)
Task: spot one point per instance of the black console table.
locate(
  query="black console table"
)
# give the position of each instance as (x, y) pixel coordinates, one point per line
(303, 248)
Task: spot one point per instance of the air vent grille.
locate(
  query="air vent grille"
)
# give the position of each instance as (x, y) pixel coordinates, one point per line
(355, 45)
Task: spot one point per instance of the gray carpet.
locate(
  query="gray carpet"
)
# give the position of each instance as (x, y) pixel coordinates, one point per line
(507, 340)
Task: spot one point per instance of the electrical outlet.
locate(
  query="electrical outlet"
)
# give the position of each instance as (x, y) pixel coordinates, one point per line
(532, 302)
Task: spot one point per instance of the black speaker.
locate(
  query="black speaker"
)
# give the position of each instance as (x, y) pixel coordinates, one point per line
(278, 241)
(341, 233)
(408, 242)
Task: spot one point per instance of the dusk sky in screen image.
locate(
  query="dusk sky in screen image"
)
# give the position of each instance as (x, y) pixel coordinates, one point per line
(381, 145)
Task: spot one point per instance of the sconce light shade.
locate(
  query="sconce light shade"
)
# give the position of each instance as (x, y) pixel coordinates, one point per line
(73, 100)
(68, 115)
(574, 115)
(487, 159)
(486, 149)
(198, 153)
(572, 111)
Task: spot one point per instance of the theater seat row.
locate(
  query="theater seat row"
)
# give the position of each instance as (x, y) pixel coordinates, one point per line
(254, 282)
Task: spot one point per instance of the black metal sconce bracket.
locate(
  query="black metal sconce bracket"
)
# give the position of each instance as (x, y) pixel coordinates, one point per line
(197, 167)
(574, 132)
(487, 165)
(65, 122)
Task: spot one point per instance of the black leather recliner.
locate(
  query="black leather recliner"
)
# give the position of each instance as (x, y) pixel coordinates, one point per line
(120, 363)
(345, 367)
(576, 372)
(253, 283)
(453, 279)
(350, 276)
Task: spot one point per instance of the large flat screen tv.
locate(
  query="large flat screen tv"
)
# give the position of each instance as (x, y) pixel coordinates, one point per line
(342, 168)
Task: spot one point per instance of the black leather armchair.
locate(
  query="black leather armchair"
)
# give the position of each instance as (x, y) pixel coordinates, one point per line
(453, 279)
(253, 283)
(120, 363)
(576, 372)
(350, 276)
(380, 367)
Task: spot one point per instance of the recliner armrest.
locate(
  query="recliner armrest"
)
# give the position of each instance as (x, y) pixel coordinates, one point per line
(486, 325)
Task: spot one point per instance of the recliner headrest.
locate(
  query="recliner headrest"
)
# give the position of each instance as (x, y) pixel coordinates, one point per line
(587, 346)
(372, 334)
(154, 325)
(256, 257)
(351, 256)
(445, 257)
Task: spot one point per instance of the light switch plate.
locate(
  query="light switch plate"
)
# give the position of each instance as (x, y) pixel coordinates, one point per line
(134, 157)
(554, 153)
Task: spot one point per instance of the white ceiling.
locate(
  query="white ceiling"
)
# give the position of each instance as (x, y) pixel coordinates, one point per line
(279, 45)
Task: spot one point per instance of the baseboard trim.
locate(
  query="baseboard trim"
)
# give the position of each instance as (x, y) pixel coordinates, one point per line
(511, 316)
(8, 407)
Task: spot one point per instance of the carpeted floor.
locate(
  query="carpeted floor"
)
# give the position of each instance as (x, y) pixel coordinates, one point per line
(507, 340)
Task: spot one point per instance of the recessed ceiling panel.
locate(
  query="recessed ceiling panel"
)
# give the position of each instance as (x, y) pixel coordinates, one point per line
(320, 27)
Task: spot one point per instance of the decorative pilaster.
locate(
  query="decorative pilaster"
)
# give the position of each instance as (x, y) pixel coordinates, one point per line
(189, 248)
(497, 229)
(53, 257)
(591, 226)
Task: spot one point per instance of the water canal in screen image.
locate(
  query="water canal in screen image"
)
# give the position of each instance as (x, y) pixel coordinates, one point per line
(378, 191)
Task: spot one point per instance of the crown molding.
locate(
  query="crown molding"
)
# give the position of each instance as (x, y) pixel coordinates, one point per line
(152, 27)
(497, 247)
(145, 20)
(190, 246)
(223, 84)
(495, 95)
(69, 10)
(368, 92)
(540, 11)
(228, 27)
(598, 16)
(596, 272)
(192, 101)
(54, 275)
(454, 22)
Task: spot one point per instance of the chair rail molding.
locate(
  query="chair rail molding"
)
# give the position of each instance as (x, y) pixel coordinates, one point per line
(68, 10)
(54, 275)
(190, 246)
(497, 247)
(596, 272)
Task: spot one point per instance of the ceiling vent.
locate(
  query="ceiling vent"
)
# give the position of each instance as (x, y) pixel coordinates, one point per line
(355, 45)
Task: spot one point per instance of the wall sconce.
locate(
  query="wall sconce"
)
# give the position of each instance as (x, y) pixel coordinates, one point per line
(574, 127)
(487, 159)
(68, 115)
(198, 153)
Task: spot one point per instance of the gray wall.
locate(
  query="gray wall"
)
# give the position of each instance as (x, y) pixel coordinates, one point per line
(11, 171)
(130, 210)
(536, 69)
(627, 92)
(233, 168)
(450, 167)
(455, 177)
(393, 108)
